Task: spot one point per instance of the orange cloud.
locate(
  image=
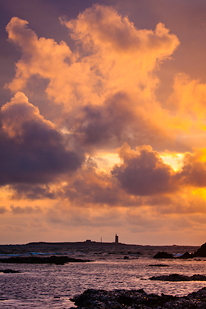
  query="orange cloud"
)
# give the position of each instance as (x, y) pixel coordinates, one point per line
(188, 103)
(111, 57)
(16, 113)
(189, 97)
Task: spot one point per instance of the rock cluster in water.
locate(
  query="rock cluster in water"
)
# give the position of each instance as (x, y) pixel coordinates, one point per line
(120, 299)
(178, 277)
(58, 260)
(163, 255)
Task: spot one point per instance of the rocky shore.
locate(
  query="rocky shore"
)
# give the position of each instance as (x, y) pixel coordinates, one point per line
(120, 299)
(58, 260)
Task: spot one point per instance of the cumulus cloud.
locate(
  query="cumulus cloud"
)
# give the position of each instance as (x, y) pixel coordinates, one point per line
(32, 149)
(114, 55)
(38, 54)
(110, 72)
(193, 172)
(87, 187)
(101, 25)
(143, 172)
(188, 97)
(93, 187)
(142, 178)
(106, 89)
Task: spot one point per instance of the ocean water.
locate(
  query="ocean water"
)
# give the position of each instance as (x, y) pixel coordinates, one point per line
(52, 286)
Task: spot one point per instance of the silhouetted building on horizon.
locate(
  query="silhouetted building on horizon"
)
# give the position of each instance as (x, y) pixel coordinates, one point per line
(116, 239)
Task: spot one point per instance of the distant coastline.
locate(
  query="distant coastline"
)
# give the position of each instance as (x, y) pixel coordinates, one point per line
(91, 246)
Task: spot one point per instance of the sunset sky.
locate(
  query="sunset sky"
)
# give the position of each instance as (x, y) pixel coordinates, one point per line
(103, 121)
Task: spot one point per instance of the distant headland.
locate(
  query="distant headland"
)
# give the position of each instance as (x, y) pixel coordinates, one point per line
(87, 246)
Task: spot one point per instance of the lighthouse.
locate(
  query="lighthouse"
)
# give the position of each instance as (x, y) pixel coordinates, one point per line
(116, 239)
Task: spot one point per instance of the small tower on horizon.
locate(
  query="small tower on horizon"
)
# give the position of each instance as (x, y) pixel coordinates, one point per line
(116, 239)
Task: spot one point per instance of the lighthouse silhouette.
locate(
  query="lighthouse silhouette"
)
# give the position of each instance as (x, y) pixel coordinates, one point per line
(116, 239)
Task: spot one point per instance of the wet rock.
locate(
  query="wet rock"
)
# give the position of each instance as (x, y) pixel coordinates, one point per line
(163, 255)
(58, 260)
(198, 278)
(177, 277)
(120, 299)
(9, 271)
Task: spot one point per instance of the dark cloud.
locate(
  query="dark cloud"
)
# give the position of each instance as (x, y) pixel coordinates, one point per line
(193, 171)
(24, 210)
(32, 191)
(2, 210)
(114, 123)
(87, 186)
(93, 188)
(144, 173)
(90, 186)
(99, 124)
(32, 150)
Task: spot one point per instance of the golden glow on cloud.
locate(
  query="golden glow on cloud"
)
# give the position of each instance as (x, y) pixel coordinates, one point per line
(201, 192)
(174, 160)
(105, 160)
(121, 58)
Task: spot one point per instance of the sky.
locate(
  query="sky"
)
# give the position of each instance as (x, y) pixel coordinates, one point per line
(103, 121)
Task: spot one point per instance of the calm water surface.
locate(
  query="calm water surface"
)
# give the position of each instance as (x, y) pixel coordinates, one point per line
(51, 286)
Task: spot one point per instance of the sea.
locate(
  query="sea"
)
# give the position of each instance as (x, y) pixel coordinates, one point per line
(53, 286)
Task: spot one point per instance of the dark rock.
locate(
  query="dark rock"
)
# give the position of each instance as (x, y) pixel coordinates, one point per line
(9, 271)
(177, 277)
(201, 252)
(186, 255)
(126, 257)
(163, 255)
(120, 299)
(125, 300)
(58, 260)
(198, 278)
